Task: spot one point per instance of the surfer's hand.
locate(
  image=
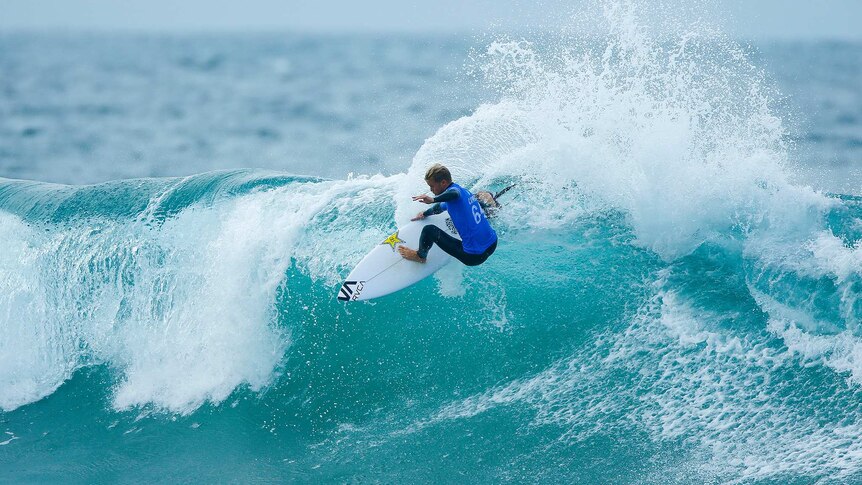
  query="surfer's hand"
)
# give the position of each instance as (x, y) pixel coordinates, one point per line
(419, 217)
(423, 198)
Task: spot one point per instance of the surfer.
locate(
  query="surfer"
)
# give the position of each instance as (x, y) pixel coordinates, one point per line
(478, 239)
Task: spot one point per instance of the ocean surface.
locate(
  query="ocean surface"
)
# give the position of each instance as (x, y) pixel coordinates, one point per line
(675, 296)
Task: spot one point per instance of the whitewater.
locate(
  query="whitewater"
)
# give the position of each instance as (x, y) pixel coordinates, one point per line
(671, 299)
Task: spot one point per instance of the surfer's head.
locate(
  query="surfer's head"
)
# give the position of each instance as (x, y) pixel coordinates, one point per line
(438, 178)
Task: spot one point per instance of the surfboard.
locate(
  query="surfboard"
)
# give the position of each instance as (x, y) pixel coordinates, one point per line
(383, 271)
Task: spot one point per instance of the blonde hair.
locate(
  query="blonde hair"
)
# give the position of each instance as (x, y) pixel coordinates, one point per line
(438, 173)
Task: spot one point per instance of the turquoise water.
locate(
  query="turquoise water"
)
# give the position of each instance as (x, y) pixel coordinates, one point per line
(674, 298)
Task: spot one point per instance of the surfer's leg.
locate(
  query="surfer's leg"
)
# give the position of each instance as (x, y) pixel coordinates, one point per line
(430, 235)
(454, 247)
(475, 259)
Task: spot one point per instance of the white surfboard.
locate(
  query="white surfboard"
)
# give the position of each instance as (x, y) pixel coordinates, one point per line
(383, 271)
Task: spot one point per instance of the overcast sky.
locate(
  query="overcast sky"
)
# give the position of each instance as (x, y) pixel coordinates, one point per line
(747, 19)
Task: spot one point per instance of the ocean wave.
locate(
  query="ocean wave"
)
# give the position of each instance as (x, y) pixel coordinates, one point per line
(171, 282)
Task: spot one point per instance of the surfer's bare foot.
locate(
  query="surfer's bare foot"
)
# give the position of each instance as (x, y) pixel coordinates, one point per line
(410, 254)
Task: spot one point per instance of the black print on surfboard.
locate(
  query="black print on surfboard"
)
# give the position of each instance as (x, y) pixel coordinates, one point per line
(350, 290)
(451, 225)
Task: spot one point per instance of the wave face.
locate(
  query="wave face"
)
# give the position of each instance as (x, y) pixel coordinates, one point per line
(666, 303)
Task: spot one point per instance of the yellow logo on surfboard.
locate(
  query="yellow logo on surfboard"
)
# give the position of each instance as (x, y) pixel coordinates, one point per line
(393, 240)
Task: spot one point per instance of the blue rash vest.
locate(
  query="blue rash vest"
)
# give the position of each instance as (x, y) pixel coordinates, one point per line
(476, 233)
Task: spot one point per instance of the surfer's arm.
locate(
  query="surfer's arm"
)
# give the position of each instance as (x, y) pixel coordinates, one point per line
(450, 194)
(435, 209)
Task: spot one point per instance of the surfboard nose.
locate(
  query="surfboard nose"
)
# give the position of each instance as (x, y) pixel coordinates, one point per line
(349, 290)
